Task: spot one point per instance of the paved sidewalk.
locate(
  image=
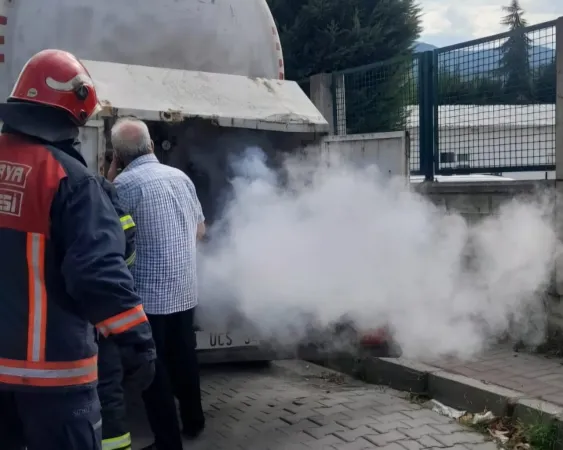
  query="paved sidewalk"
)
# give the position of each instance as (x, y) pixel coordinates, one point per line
(536, 376)
(294, 405)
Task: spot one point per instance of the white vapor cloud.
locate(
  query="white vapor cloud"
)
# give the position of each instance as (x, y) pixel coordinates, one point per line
(314, 242)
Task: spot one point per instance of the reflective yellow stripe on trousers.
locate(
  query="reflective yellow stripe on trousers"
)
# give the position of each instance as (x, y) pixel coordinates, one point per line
(118, 443)
(127, 222)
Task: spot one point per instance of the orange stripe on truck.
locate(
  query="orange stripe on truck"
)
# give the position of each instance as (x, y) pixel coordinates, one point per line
(37, 319)
(123, 321)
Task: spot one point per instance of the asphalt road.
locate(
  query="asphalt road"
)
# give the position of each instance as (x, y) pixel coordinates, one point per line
(294, 405)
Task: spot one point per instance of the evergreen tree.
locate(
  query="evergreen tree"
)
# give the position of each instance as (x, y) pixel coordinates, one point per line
(515, 59)
(323, 36)
(545, 86)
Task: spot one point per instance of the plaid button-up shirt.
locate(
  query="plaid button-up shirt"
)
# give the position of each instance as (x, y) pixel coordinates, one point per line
(166, 211)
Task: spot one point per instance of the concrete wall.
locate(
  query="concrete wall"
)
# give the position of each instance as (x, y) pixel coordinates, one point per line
(476, 200)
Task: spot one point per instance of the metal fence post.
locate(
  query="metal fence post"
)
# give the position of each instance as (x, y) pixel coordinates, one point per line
(559, 150)
(339, 102)
(426, 114)
(559, 100)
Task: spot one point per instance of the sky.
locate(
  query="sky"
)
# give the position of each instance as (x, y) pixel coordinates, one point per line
(448, 22)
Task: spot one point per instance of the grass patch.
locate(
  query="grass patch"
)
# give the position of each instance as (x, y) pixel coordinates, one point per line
(542, 436)
(519, 436)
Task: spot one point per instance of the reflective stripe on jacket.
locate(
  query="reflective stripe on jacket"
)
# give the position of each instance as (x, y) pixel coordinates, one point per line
(62, 270)
(127, 223)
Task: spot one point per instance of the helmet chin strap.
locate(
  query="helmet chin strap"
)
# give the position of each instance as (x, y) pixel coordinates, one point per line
(43, 122)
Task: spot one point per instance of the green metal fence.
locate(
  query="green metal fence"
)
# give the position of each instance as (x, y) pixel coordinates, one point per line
(495, 103)
(484, 106)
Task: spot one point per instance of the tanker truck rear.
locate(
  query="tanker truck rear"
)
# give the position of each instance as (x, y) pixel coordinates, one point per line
(208, 78)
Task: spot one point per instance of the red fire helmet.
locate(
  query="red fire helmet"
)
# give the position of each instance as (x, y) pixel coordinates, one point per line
(57, 78)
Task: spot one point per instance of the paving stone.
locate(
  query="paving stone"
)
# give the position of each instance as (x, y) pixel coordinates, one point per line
(352, 435)
(410, 445)
(388, 426)
(386, 438)
(396, 446)
(360, 444)
(333, 401)
(356, 423)
(417, 433)
(426, 414)
(327, 411)
(270, 425)
(389, 409)
(320, 432)
(449, 428)
(455, 447)
(328, 442)
(361, 404)
(429, 442)
(394, 417)
(301, 415)
(483, 446)
(459, 438)
(295, 437)
(326, 420)
(299, 426)
(413, 423)
(296, 408)
(282, 446)
(360, 413)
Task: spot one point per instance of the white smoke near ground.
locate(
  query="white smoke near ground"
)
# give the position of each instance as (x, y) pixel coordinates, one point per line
(328, 241)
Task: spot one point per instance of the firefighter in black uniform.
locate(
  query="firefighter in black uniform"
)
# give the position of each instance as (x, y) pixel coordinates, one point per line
(62, 271)
(115, 434)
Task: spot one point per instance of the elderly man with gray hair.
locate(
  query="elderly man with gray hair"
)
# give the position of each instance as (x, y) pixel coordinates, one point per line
(169, 220)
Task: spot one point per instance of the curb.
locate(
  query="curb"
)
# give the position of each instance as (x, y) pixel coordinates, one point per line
(454, 390)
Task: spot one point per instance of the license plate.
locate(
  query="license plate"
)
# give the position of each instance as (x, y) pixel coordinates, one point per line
(209, 341)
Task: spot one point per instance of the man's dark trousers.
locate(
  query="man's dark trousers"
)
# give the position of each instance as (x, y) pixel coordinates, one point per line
(177, 375)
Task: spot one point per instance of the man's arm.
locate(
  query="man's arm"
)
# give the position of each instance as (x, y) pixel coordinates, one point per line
(201, 228)
(94, 268)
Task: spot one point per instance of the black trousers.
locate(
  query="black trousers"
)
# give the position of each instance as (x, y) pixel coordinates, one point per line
(177, 375)
(50, 421)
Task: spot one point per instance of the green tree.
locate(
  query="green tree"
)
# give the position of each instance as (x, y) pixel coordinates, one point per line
(515, 57)
(545, 83)
(453, 89)
(322, 36)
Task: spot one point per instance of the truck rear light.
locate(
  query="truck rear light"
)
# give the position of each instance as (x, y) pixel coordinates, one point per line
(374, 338)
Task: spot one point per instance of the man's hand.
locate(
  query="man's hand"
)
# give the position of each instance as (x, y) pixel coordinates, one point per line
(138, 368)
(200, 230)
(112, 172)
(140, 378)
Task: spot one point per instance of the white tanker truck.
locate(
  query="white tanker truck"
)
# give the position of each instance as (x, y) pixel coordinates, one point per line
(220, 36)
(208, 78)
